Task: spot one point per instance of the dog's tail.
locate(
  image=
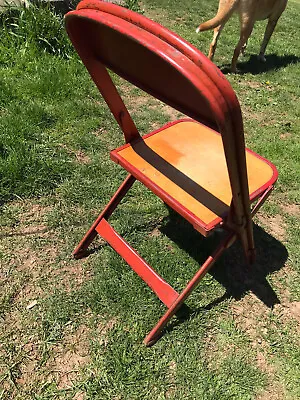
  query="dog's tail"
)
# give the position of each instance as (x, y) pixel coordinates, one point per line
(221, 17)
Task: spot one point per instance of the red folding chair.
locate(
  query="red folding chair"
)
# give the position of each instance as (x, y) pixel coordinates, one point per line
(199, 165)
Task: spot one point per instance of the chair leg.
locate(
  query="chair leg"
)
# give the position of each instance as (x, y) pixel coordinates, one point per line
(261, 200)
(80, 250)
(155, 334)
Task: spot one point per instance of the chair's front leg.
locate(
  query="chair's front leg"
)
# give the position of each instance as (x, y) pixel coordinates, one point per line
(79, 252)
(155, 334)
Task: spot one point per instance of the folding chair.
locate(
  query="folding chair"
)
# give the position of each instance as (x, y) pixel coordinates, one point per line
(197, 165)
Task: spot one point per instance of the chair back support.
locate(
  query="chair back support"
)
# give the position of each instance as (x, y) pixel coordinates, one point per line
(170, 69)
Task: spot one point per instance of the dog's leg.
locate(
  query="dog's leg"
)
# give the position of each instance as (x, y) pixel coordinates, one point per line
(243, 51)
(213, 45)
(272, 22)
(246, 29)
(268, 33)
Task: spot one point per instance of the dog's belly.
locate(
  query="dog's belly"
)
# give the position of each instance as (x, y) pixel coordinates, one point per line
(260, 15)
(264, 8)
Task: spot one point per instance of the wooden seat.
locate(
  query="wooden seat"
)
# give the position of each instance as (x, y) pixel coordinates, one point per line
(184, 164)
(198, 166)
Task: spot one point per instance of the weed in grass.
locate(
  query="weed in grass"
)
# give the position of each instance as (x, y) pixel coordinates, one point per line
(36, 28)
(133, 5)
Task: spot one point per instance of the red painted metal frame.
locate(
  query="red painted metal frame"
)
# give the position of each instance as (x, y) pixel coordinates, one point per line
(163, 290)
(215, 88)
(155, 333)
(159, 286)
(80, 250)
(224, 114)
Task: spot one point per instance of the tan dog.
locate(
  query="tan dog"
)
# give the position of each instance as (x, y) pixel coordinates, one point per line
(249, 11)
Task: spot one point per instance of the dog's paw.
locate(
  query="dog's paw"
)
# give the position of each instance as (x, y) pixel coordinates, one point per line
(198, 29)
(262, 58)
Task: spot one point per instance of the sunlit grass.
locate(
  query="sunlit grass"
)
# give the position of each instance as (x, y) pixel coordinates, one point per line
(56, 176)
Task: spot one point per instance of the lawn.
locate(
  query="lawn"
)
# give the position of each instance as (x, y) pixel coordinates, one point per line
(73, 329)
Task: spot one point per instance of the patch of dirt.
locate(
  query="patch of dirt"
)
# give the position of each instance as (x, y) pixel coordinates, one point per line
(170, 393)
(170, 248)
(67, 276)
(69, 357)
(294, 310)
(263, 364)
(33, 212)
(11, 323)
(252, 84)
(33, 267)
(28, 293)
(63, 367)
(34, 264)
(281, 279)
(72, 275)
(103, 329)
(79, 396)
(155, 233)
(275, 391)
(216, 351)
(285, 272)
(99, 132)
(82, 158)
(138, 101)
(291, 209)
(26, 231)
(171, 112)
(285, 135)
(275, 225)
(30, 220)
(289, 311)
(119, 2)
(249, 113)
(172, 371)
(27, 260)
(250, 315)
(30, 365)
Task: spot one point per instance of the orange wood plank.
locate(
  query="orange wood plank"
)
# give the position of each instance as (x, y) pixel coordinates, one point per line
(187, 161)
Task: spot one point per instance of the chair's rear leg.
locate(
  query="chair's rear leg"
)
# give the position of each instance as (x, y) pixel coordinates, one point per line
(251, 252)
(155, 334)
(261, 200)
(108, 210)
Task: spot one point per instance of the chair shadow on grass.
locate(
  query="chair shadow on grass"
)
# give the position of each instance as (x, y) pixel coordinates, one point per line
(231, 270)
(255, 67)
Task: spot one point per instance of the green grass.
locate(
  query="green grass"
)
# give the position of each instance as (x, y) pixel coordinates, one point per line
(83, 338)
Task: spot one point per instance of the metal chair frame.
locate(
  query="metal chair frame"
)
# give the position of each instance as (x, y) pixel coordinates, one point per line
(100, 32)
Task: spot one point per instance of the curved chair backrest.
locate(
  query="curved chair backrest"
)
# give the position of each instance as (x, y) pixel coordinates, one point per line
(172, 70)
